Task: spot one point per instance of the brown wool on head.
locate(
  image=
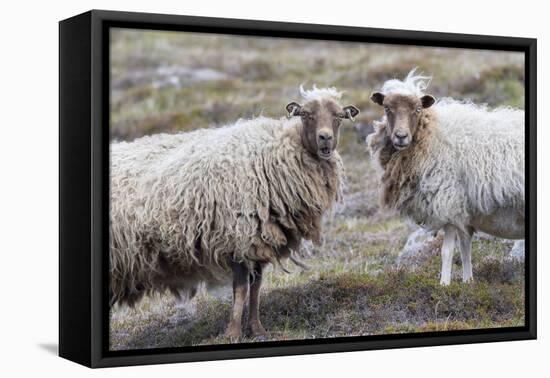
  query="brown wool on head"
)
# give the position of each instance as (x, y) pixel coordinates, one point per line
(400, 166)
(321, 120)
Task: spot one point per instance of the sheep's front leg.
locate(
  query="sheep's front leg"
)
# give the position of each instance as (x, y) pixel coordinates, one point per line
(465, 245)
(240, 291)
(447, 251)
(256, 328)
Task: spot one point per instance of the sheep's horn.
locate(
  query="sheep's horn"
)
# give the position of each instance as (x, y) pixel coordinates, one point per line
(298, 262)
(282, 266)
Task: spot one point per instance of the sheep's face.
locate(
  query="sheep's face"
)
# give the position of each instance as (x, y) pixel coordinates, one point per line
(403, 114)
(321, 120)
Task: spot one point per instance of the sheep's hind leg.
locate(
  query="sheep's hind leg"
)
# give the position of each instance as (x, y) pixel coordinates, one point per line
(256, 328)
(240, 291)
(465, 244)
(447, 251)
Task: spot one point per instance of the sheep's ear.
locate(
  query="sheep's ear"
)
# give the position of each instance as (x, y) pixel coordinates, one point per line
(293, 108)
(377, 98)
(350, 112)
(427, 101)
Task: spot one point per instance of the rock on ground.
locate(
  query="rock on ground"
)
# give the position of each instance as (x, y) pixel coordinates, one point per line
(420, 241)
(518, 250)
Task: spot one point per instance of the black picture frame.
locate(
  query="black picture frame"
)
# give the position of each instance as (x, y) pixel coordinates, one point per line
(84, 192)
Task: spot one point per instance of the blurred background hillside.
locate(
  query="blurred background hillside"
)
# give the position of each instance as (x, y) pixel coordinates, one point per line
(169, 81)
(359, 283)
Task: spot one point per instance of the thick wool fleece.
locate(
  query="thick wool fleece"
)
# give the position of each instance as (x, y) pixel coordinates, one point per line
(184, 206)
(465, 161)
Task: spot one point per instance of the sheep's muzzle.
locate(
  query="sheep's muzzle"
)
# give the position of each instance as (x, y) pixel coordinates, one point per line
(401, 139)
(325, 143)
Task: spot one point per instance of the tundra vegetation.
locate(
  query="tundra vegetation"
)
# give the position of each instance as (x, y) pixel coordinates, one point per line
(356, 284)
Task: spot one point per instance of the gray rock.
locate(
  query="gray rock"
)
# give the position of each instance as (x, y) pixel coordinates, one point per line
(418, 242)
(518, 250)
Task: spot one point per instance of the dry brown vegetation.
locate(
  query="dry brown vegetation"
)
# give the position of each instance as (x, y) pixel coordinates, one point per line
(172, 82)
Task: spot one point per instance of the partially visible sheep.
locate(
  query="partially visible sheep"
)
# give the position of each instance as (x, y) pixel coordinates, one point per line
(453, 165)
(198, 207)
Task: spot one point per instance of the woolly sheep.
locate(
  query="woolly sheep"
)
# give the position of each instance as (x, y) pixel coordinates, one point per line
(454, 166)
(199, 207)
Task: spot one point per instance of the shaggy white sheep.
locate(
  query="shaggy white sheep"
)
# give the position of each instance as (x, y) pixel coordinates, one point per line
(454, 166)
(198, 207)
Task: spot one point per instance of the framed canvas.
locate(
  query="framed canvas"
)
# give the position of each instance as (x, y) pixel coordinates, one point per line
(234, 188)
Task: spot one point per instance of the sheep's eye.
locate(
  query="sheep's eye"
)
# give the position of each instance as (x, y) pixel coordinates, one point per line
(418, 109)
(387, 109)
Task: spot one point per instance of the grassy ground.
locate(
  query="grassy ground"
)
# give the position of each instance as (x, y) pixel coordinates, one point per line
(169, 82)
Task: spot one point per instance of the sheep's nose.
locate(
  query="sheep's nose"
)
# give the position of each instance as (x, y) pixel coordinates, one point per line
(325, 137)
(401, 134)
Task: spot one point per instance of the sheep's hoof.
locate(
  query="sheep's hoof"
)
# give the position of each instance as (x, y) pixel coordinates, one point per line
(233, 333)
(259, 332)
